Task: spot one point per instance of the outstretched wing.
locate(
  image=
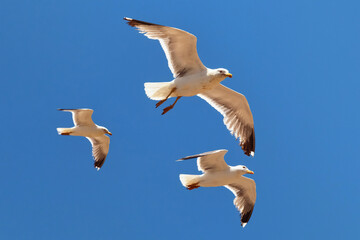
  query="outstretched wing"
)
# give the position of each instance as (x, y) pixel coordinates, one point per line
(210, 161)
(245, 196)
(237, 114)
(100, 149)
(179, 46)
(81, 117)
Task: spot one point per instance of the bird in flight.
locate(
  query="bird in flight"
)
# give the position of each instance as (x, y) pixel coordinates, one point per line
(192, 78)
(217, 173)
(85, 127)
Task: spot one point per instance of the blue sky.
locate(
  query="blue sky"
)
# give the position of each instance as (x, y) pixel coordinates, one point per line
(297, 62)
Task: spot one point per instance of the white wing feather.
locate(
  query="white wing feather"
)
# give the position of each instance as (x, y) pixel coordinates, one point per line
(81, 117)
(245, 196)
(179, 46)
(210, 161)
(237, 114)
(100, 149)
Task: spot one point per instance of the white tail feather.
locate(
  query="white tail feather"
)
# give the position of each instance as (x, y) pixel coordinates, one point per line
(159, 90)
(187, 179)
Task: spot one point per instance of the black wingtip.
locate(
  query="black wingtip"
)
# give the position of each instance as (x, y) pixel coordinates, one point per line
(248, 146)
(98, 164)
(246, 217)
(134, 22)
(66, 109)
(187, 158)
(129, 21)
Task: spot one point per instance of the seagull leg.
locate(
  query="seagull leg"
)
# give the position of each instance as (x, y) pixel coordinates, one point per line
(64, 131)
(162, 101)
(170, 107)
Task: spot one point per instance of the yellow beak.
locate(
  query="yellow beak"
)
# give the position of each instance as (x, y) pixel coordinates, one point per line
(228, 75)
(250, 172)
(109, 133)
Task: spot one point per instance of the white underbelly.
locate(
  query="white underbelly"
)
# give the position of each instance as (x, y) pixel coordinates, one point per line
(217, 179)
(191, 86)
(86, 131)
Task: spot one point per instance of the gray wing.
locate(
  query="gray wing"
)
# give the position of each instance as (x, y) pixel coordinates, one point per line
(237, 114)
(209, 161)
(81, 117)
(179, 46)
(245, 196)
(100, 149)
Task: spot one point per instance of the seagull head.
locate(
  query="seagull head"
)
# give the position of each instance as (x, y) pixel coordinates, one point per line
(223, 72)
(241, 169)
(106, 131)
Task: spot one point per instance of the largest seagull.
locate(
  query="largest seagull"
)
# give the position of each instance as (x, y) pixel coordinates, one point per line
(192, 78)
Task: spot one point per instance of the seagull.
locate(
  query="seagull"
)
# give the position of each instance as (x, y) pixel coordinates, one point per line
(218, 173)
(84, 126)
(192, 78)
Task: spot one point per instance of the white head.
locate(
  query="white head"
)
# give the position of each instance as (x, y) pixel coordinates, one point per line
(105, 130)
(241, 169)
(223, 73)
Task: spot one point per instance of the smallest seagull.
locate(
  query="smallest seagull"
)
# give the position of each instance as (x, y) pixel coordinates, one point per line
(218, 173)
(85, 127)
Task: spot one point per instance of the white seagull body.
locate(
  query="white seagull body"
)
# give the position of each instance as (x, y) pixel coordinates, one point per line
(218, 173)
(85, 127)
(192, 78)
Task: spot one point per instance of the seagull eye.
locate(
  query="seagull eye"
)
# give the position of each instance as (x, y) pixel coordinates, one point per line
(243, 167)
(221, 71)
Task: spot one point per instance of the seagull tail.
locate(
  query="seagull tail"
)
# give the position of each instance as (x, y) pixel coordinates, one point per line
(190, 181)
(64, 131)
(158, 90)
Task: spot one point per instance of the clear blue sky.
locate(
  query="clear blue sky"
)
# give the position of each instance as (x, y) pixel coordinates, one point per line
(297, 62)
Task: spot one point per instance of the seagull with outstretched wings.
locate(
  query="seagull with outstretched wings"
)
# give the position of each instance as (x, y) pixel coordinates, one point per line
(192, 78)
(85, 127)
(217, 173)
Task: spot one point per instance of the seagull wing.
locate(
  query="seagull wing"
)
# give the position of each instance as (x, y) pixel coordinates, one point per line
(245, 195)
(179, 46)
(237, 114)
(210, 161)
(100, 149)
(81, 117)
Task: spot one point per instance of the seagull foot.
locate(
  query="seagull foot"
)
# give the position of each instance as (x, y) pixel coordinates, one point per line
(68, 133)
(170, 107)
(160, 102)
(193, 186)
(165, 110)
